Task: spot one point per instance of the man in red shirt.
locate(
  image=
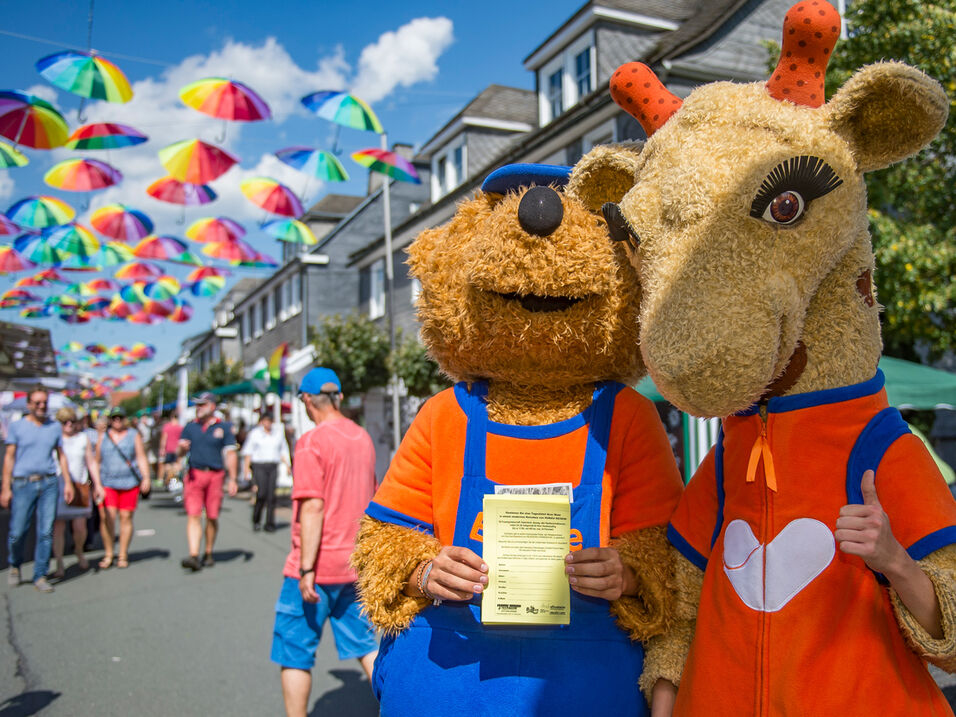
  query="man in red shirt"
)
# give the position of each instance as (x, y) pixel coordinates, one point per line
(169, 468)
(333, 482)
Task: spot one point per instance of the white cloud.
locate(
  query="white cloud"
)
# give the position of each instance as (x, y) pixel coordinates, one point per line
(44, 92)
(404, 57)
(7, 186)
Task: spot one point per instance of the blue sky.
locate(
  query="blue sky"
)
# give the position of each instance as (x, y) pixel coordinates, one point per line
(417, 63)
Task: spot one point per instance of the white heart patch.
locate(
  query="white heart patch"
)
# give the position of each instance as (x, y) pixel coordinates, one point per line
(799, 553)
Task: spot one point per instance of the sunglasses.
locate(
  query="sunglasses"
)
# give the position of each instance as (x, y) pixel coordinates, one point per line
(116, 418)
(37, 403)
(68, 420)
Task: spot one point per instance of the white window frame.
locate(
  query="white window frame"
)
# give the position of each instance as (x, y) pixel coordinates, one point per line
(450, 174)
(296, 294)
(565, 62)
(416, 289)
(245, 327)
(270, 316)
(376, 289)
(254, 312)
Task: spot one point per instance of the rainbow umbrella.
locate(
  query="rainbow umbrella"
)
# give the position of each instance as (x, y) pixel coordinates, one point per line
(195, 161)
(182, 312)
(121, 222)
(79, 262)
(15, 298)
(100, 285)
(8, 228)
(207, 286)
(290, 230)
(78, 289)
(47, 277)
(209, 229)
(105, 135)
(30, 121)
(85, 74)
(39, 250)
(11, 157)
(11, 261)
(188, 257)
(113, 253)
(388, 163)
(36, 312)
(259, 261)
(144, 317)
(230, 250)
(225, 99)
(39, 212)
(120, 308)
(82, 175)
(71, 347)
(97, 349)
(204, 272)
(343, 109)
(72, 239)
(314, 162)
(272, 196)
(165, 287)
(96, 306)
(75, 317)
(168, 189)
(162, 246)
(138, 271)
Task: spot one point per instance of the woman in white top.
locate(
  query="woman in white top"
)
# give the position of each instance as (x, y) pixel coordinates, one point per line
(83, 468)
(264, 447)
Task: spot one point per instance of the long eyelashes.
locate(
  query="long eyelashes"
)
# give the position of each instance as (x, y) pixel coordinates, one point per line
(807, 177)
(617, 225)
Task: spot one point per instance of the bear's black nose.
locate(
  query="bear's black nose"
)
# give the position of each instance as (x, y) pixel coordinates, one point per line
(540, 211)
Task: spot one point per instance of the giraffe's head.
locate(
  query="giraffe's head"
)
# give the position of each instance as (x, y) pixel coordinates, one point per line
(749, 212)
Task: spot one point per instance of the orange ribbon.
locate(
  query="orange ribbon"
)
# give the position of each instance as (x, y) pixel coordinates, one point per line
(760, 448)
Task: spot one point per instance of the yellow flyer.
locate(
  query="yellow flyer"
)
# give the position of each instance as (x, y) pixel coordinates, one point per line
(525, 540)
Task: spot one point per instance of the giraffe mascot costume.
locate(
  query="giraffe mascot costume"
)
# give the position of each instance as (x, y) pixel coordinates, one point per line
(817, 589)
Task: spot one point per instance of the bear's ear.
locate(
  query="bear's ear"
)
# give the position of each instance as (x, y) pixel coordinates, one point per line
(887, 112)
(605, 174)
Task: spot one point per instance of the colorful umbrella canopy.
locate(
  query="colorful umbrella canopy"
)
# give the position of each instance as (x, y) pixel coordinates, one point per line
(188, 257)
(101, 285)
(344, 109)
(96, 306)
(39, 212)
(290, 230)
(119, 308)
(39, 250)
(388, 163)
(113, 253)
(142, 351)
(36, 312)
(11, 261)
(105, 135)
(195, 161)
(14, 298)
(165, 287)
(8, 228)
(207, 286)
(225, 99)
(314, 162)
(259, 261)
(181, 313)
(72, 347)
(121, 222)
(79, 262)
(144, 317)
(87, 75)
(204, 272)
(138, 271)
(46, 277)
(272, 196)
(161, 246)
(82, 175)
(173, 191)
(210, 229)
(30, 121)
(72, 239)
(11, 157)
(230, 250)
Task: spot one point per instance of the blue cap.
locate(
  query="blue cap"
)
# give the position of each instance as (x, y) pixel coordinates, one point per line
(514, 176)
(315, 379)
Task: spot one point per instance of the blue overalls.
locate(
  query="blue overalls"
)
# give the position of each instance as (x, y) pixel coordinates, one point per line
(447, 662)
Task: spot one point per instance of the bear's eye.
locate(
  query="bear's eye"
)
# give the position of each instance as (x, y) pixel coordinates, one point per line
(617, 225)
(787, 191)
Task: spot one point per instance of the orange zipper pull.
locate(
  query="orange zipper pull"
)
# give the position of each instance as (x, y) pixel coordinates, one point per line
(761, 449)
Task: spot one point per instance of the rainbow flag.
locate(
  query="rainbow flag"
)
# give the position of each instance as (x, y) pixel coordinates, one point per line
(277, 374)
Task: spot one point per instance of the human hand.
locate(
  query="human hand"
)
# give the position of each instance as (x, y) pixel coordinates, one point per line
(457, 574)
(145, 486)
(599, 572)
(5, 496)
(98, 494)
(307, 587)
(233, 487)
(864, 530)
(67, 491)
(184, 444)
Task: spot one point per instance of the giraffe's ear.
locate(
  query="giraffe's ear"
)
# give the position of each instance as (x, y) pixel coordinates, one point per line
(887, 112)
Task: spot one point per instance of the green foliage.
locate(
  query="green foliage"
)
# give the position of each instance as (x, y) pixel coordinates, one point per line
(356, 348)
(220, 373)
(914, 222)
(411, 362)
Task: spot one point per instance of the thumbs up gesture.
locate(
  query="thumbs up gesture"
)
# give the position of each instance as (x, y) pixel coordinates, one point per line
(864, 530)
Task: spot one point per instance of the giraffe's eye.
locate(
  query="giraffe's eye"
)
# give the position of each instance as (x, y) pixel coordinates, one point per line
(786, 208)
(788, 190)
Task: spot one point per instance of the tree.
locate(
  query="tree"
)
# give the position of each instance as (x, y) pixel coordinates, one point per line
(356, 348)
(413, 365)
(217, 374)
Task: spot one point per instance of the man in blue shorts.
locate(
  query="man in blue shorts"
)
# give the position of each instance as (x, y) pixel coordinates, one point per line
(333, 481)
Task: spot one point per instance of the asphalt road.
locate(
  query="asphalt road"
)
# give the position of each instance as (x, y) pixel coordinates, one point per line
(155, 640)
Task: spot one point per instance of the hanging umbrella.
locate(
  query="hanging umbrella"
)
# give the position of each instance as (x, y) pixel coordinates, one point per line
(165, 287)
(290, 230)
(173, 191)
(79, 262)
(142, 351)
(39, 250)
(46, 277)
(195, 161)
(138, 271)
(30, 121)
(39, 212)
(82, 175)
(188, 257)
(144, 317)
(182, 312)
(95, 306)
(85, 74)
(259, 261)
(161, 247)
(35, 312)
(15, 298)
(105, 135)
(8, 228)
(225, 99)
(11, 261)
(78, 289)
(71, 347)
(72, 239)
(388, 163)
(230, 250)
(205, 272)
(207, 286)
(315, 163)
(210, 229)
(11, 157)
(120, 308)
(121, 222)
(97, 349)
(272, 196)
(98, 286)
(344, 109)
(113, 253)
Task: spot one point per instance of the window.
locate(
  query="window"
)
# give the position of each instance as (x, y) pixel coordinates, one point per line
(555, 93)
(264, 320)
(442, 174)
(277, 303)
(458, 162)
(297, 293)
(243, 332)
(289, 304)
(376, 301)
(582, 72)
(416, 289)
(254, 320)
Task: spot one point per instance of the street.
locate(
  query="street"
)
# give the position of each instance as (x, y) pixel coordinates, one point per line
(155, 640)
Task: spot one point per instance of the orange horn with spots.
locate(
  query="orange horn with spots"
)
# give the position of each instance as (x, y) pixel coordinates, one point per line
(637, 90)
(810, 30)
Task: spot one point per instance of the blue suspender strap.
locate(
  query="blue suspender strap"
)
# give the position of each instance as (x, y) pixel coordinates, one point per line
(601, 411)
(476, 435)
(719, 479)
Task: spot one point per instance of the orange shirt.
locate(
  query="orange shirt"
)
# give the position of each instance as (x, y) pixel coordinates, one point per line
(640, 484)
(787, 623)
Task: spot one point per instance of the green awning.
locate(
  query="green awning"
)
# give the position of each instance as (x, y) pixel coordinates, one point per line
(235, 388)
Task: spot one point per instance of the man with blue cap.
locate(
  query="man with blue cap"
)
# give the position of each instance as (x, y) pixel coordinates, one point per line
(333, 474)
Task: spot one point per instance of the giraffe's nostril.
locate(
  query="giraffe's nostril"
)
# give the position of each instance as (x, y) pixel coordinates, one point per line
(540, 211)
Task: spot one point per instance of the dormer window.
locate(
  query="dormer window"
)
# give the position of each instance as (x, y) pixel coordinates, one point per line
(566, 78)
(449, 168)
(582, 71)
(556, 92)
